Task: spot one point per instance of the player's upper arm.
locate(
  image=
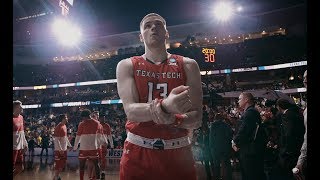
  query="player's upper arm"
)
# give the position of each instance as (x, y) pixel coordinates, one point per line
(192, 72)
(125, 83)
(80, 129)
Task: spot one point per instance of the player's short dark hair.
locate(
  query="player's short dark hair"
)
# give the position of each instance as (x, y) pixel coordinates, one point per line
(95, 112)
(153, 14)
(16, 103)
(85, 113)
(61, 116)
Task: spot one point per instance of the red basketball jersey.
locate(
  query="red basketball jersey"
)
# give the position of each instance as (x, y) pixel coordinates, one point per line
(106, 128)
(157, 81)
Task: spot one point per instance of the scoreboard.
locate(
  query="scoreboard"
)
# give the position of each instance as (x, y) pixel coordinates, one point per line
(208, 54)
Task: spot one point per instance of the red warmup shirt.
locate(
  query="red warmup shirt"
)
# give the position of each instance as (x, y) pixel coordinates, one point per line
(89, 135)
(61, 141)
(106, 129)
(157, 81)
(19, 138)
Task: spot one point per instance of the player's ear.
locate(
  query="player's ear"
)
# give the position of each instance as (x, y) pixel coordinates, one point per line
(141, 38)
(167, 35)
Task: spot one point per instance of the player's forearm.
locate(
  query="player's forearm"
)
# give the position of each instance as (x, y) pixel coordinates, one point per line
(138, 112)
(68, 142)
(76, 142)
(192, 120)
(110, 140)
(25, 142)
(103, 140)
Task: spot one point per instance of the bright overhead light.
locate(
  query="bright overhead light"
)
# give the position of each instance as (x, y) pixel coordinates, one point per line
(68, 34)
(223, 11)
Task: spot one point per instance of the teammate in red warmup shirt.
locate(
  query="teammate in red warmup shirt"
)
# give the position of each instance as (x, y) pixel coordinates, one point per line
(20, 144)
(61, 143)
(103, 148)
(97, 167)
(90, 136)
(162, 98)
(107, 132)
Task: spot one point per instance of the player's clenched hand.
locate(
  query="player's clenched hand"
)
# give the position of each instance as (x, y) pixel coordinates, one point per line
(158, 115)
(178, 101)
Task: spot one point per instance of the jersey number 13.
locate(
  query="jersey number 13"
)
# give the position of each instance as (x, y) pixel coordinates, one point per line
(163, 86)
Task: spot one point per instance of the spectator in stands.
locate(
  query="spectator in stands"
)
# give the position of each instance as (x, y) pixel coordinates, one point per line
(220, 146)
(291, 139)
(31, 144)
(45, 142)
(38, 137)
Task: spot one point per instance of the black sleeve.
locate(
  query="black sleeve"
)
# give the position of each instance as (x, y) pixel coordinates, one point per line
(245, 133)
(294, 132)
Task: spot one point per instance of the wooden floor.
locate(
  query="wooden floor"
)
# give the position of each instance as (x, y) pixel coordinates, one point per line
(36, 168)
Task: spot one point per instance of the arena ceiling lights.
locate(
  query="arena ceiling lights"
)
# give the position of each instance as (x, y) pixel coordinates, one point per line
(67, 34)
(223, 10)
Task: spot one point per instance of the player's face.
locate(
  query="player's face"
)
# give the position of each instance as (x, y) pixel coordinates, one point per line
(95, 116)
(101, 118)
(153, 31)
(66, 119)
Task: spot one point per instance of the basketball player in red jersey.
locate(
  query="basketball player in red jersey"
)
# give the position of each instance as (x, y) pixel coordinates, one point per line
(20, 144)
(162, 98)
(95, 168)
(90, 136)
(103, 150)
(61, 144)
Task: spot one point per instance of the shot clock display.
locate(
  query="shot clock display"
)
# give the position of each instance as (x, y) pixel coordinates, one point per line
(209, 54)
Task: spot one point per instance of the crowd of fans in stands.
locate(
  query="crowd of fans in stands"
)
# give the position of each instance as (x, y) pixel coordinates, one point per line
(254, 52)
(211, 83)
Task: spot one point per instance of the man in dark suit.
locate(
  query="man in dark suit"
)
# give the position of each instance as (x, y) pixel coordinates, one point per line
(291, 138)
(220, 146)
(204, 143)
(250, 140)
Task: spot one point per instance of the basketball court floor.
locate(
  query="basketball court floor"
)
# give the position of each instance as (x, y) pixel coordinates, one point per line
(42, 168)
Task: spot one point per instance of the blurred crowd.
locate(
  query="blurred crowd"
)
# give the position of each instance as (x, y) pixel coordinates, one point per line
(40, 124)
(250, 53)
